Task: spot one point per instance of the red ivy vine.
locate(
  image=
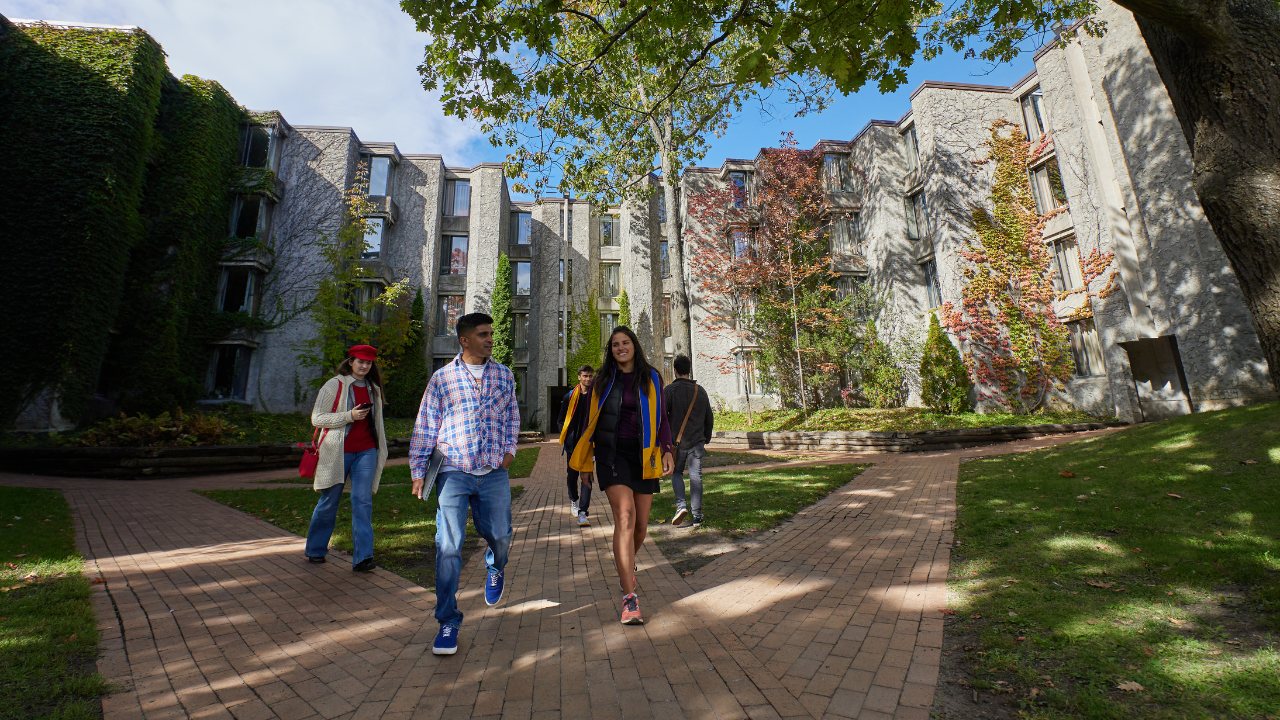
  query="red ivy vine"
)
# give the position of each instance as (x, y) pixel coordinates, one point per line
(1016, 348)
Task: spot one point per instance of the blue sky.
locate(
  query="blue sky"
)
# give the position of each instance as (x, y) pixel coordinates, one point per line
(354, 63)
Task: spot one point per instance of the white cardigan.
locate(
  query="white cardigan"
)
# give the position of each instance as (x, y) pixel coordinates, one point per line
(329, 469)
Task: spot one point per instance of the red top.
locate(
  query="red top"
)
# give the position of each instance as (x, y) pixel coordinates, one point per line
(360, 436)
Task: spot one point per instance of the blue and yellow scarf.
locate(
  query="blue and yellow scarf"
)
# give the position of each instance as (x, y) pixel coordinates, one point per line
(583, 458)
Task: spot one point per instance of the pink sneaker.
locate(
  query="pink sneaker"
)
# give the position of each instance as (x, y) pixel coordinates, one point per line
(631, 610)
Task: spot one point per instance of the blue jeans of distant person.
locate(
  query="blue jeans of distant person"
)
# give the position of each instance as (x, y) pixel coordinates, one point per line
(691, 461)
(579, 491)
(359, 469)
(489, 497)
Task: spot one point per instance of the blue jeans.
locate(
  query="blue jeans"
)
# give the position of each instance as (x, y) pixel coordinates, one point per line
(692, 461)
(359, 467)
(489, 497)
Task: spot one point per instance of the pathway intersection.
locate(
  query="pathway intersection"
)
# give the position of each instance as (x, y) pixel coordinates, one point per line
(207, 612)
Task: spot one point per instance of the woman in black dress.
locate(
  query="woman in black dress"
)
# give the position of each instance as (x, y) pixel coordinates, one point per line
(628, 452)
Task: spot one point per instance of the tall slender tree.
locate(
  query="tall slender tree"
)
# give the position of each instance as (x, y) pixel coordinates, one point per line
(504, 340)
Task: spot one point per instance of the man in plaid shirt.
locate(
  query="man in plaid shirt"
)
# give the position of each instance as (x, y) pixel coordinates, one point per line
(469, 413)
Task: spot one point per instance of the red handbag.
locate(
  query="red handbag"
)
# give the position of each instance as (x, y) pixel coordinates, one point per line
(311, 451)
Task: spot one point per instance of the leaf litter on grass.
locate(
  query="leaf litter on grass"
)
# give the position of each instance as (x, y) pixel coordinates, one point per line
(1197, 622)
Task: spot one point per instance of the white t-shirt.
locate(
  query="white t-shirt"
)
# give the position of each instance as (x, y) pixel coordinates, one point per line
(477, 371)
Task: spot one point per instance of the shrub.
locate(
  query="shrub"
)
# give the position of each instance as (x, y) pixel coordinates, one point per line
(504, 337)
(881, 378)
(163, 430)
(944, 380)
(407, 383)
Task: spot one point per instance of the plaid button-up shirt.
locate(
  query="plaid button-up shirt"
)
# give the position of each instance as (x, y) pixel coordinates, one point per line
(473, 423)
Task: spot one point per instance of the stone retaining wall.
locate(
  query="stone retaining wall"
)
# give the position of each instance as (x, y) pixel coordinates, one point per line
(893, 441)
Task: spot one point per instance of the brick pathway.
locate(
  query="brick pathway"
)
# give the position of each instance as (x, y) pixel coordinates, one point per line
(208, 612)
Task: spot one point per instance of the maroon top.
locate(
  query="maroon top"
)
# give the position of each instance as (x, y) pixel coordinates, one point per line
(629, 417)
(360, 436)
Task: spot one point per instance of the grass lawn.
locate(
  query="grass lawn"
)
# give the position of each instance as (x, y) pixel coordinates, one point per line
(889, 419)
(720, 458)
(404, 527)
(48, 634)
(1135, 575)
(755, 500)
(526, 458)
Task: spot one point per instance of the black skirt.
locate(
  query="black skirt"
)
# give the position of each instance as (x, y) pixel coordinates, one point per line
(624, 467)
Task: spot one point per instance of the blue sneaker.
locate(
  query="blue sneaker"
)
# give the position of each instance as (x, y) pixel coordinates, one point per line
(493, 589)
(446, 641)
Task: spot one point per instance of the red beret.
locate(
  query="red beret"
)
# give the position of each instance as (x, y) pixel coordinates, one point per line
(364, 352)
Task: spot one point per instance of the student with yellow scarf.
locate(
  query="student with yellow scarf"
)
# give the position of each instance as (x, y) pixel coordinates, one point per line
(627, 448)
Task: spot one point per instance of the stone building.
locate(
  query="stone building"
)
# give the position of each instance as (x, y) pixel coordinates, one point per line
(1175, 338)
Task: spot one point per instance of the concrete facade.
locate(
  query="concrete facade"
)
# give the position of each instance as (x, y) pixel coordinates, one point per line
(1176, 336)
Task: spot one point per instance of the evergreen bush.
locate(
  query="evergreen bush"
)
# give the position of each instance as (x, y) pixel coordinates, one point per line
(406, 385)
(944, 380)
(586, 343)
(881, 377)
(504, 338)
(624, 309)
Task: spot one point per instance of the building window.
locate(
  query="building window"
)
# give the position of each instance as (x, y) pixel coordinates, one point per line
(912, 148)
(917, 216)
(457, 198)
(739, 242)
(662, 212)
(568, 329)
(741, 191)
(380, 176)
(520, 321)
(1086, 348)
(610, 280)
(237, 289)
(448, 310)
(845, 235)
(609, 231)
(229, 372)
(837, 178)
(930, 268)
(251, 217)
(258, 147)
(568, 277)
(1033, 114)
(560, 330)
(664, 259)
(437, 364)
(848, 285)
(361, 302)
(1066, 265)
(1047, 188)
(608, 321)
(666, 316)
(748, 380)
(562, 277)
(373, 238)
(521, 228)
(522, 386)
(453, 255)
(520, 277)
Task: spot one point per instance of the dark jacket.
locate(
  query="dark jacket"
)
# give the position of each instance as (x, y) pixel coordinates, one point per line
(701, 423)
(578, 423)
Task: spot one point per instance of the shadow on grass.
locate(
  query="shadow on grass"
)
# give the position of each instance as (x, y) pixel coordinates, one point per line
(1149, 556)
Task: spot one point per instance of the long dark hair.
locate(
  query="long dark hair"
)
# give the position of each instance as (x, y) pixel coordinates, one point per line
(374, 376)
(608, 365)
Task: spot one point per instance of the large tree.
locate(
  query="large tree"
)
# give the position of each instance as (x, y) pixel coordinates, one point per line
(1218, 59)
(589, 107)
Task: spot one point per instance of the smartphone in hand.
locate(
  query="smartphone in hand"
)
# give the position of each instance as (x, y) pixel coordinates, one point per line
(364, 406)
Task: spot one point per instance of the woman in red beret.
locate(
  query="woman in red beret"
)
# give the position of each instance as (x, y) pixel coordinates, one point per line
(353, 444)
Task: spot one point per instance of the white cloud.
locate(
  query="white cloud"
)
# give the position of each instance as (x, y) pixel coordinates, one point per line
(320, 62)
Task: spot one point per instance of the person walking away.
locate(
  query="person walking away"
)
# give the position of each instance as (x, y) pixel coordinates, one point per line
(627, 447)
(353, 445)
(572, 421)
(689, 411)
(468, 413)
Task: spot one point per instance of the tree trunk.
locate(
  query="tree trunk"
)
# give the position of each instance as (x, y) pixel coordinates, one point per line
(1220, 62)
(680, 334)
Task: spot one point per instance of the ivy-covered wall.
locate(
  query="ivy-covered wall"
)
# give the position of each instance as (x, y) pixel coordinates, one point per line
(116, 206)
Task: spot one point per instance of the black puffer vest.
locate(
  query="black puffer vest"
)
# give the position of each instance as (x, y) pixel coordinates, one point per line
(606, 434)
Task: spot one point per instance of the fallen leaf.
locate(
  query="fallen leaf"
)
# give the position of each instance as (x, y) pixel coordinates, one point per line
(1086, 478)
(1155, 459)
(1098, 584)
(73, 637)
(20, 555)
(1035, 692)
(1130, 686)
(1092, 622)
(1021, 638)
(1135, 550)
(1115, 508)
(975, 616)
(1215, 652)
(98, 581)
(1248, 462)
(1174, 496)
(1013, 614)
(1082, 497)
(1149, 652)
(947, 611)
(1067, 474)
(1208, 543)
(1132, 667)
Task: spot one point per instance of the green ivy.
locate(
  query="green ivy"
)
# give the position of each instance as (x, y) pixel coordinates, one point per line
(78, 108)
(504, 341)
